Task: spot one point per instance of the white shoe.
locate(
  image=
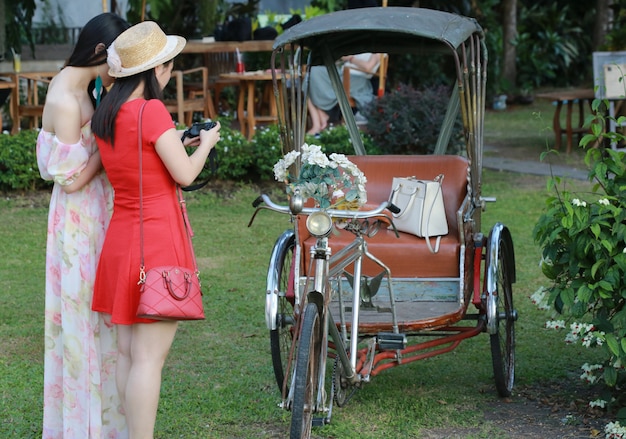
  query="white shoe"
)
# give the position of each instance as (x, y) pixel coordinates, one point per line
(360, 119)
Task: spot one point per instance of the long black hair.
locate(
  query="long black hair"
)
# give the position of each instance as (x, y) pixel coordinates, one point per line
(103, 120)
(101, 29)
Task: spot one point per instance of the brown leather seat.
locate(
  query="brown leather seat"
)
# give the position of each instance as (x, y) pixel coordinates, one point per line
(407, 256)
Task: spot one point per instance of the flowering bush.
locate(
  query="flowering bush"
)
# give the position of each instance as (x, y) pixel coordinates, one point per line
(332, 181)
(583, 241)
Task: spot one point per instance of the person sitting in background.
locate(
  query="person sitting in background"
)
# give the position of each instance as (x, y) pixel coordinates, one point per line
(322, 98)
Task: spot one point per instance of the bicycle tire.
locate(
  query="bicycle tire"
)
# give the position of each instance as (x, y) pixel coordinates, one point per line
(281, 337)
(306, 374)
(503, 341)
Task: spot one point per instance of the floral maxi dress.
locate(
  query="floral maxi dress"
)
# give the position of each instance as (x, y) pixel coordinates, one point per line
(80, 396)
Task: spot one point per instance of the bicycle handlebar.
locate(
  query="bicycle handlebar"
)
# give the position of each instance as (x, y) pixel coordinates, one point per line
(334, 213)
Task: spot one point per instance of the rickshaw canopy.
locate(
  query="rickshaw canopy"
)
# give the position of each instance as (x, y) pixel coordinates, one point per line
(324, 39)
(390, 30)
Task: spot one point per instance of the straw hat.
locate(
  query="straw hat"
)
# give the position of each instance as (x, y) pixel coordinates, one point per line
(142, 47)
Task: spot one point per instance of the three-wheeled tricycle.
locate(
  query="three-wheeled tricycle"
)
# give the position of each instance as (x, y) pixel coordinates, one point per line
(348, 296)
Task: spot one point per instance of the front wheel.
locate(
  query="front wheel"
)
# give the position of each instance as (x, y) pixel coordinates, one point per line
(280, 281)
(501, 314)
(306, 374)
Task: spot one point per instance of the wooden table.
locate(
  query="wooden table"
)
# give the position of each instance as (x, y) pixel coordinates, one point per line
(197, 46)
(569, 97)
(220, 58)
(246, 114)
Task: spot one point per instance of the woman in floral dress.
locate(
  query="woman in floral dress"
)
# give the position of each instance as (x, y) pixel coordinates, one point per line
(80, 396)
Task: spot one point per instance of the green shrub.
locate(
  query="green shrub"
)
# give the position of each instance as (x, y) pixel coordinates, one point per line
(408, 120)
(583, 242)
(337, 139)
(234, 155)
(266, 150)
(238, 159)
(18, 162)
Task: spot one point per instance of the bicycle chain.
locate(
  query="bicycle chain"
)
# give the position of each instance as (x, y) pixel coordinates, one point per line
(341, 395)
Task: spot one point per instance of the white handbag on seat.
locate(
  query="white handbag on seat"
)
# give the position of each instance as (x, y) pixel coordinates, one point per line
(422, 212)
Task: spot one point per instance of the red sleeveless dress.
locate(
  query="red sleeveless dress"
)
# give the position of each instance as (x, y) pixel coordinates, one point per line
(116, 291)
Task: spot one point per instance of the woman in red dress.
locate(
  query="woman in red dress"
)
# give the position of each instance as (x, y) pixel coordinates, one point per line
(141, 61)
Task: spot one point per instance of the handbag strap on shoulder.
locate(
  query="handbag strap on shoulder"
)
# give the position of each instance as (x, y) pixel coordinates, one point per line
(181, 200)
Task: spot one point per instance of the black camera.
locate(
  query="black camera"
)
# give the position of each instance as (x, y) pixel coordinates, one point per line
(195, 129)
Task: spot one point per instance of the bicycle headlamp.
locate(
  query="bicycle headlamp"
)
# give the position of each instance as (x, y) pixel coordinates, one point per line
(319, 224)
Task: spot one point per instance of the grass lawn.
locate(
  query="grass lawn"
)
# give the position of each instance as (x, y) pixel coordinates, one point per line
(218, 380)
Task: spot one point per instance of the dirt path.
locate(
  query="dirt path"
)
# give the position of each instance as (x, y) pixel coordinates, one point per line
(552, 411)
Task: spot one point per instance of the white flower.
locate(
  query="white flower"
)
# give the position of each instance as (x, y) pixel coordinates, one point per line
(113, 59)
(589, 372)
(338, 193)
(597, 403)
(603, 201)
(555, 324)
(281, 168)
(577, 202)
(614, 430)
(331, 181)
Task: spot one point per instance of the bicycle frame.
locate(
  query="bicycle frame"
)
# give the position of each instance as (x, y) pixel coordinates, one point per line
(327, 268)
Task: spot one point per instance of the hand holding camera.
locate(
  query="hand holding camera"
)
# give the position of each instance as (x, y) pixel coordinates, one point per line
(195, 129)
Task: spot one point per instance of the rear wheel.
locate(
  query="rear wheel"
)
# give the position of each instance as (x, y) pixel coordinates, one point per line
(281, 337)
(503, 339)
(306, 374)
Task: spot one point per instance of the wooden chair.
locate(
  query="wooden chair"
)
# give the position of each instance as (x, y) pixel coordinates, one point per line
(381, 74)
(191, 95)
(218, 63)
(36, 83)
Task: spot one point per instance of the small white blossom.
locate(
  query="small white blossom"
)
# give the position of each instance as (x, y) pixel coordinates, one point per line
(539, 299)
(579, 203)
(614, 430)
(555, 324)
(597, 403)
(589, 372)
(604, 201)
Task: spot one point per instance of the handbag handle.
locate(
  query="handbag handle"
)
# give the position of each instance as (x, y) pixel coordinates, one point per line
(181, 200)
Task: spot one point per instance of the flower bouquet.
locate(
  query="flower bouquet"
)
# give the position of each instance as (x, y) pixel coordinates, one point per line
(334, 182)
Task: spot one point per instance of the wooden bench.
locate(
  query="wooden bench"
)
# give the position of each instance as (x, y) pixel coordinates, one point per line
(407, 256)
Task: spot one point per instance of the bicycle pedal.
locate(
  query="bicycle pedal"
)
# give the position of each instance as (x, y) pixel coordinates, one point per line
(319, 422)
(391, 341)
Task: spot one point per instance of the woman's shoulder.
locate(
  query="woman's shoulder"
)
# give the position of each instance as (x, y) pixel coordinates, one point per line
(147, 105)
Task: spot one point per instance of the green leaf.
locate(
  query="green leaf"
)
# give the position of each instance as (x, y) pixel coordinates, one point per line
(595, 229)
(613, 345)
(596, 266)
(610, 376)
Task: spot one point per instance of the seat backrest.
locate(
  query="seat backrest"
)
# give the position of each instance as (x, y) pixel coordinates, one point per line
(381, 169)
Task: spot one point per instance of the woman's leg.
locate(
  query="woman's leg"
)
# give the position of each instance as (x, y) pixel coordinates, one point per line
(123, 361)
(150, 344)
(319, 118)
